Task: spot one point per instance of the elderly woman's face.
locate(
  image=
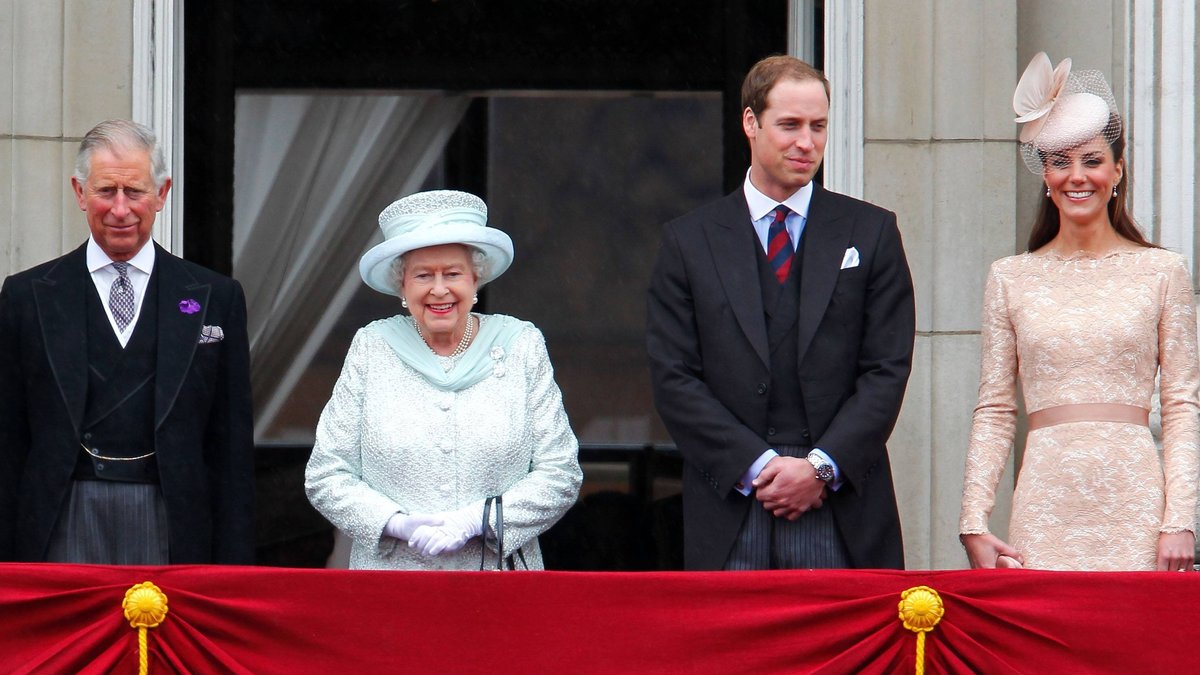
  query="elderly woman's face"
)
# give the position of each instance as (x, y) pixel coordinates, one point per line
(1081, 180)
(439, 285)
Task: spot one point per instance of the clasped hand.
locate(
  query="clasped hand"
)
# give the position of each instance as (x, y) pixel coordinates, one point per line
(989, 551)
(436, 533)
(788, 487)
(1176, 551)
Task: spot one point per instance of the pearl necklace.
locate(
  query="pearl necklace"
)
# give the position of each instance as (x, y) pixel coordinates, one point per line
(463, 343)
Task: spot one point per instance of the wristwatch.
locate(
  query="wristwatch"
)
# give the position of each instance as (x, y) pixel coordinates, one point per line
(824, 468)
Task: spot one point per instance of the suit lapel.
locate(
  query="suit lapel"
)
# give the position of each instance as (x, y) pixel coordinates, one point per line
(178, 331)
(730, 238)
(826, 237)
(62, 313)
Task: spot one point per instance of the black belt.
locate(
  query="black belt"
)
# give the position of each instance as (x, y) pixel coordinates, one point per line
(103, 465)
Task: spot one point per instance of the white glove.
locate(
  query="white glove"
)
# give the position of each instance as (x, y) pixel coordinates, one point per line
(403, 525)
(456, 528)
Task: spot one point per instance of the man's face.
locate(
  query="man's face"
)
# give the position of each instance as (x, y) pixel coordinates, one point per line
(120, 200)
(787, 141)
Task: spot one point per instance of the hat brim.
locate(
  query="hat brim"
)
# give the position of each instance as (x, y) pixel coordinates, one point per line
(375, 267)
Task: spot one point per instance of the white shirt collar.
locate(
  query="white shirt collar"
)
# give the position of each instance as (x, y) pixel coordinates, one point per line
(760, 204)
(97, 258)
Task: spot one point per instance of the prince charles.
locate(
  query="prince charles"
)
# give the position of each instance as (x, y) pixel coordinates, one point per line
(125, 419)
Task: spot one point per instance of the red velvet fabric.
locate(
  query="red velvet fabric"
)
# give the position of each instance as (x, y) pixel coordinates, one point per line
(68, 619)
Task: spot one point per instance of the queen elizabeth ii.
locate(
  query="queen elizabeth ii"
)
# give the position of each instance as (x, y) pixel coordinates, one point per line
(438, 411)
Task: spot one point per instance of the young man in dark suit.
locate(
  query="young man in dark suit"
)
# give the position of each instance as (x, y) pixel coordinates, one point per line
(780, 326)
(125, 415)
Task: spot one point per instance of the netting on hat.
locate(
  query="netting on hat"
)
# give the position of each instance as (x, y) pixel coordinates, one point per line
(1082, 110)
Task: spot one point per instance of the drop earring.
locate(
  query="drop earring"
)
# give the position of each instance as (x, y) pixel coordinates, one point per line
(1047, 190)
(403, 303)
(1114, 190)
(475, 300)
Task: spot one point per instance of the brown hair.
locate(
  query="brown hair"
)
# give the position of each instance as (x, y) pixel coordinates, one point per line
(765, 74)
(1046, 225)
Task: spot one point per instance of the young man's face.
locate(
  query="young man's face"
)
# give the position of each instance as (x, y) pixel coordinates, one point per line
(787, 141)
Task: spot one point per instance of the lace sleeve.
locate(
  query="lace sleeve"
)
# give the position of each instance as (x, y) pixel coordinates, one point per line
(995, 416)
(1180, 373)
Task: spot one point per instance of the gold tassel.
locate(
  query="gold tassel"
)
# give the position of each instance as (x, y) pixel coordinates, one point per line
(921, 609)
(145, 607)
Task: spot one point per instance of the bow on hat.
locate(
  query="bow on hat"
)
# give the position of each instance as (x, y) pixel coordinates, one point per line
(1037, 92)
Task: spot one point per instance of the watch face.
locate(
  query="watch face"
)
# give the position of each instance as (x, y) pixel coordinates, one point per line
(824, 469)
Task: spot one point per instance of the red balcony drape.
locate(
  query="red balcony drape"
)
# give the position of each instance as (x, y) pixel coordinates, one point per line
(68, 619)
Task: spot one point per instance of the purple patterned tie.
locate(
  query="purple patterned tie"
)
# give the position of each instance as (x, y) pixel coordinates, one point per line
(120, 296)
(779, 244)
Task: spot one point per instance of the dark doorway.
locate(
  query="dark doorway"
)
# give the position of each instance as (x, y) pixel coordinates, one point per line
(450, 45)
(580, 65)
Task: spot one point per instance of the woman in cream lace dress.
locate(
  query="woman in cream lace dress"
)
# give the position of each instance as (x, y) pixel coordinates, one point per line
(1085, 320)
(437, 411)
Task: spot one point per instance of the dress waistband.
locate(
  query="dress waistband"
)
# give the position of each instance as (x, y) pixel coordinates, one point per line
(1089, 412)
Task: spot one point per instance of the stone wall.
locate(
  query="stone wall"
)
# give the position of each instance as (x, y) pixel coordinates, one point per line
(64, 66)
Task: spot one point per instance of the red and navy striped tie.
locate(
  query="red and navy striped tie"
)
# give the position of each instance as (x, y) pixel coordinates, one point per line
(779, 244)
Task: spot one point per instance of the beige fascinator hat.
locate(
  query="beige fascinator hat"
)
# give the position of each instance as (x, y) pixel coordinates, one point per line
(1061, 109)
(431, 219)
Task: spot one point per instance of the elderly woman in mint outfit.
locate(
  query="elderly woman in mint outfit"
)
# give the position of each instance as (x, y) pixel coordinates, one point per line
(437, 411)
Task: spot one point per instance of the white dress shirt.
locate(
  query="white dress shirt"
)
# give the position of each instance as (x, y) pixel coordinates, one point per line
(104, 274)
(761, 207)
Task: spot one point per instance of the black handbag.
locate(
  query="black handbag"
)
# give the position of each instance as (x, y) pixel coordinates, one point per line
(502, 562)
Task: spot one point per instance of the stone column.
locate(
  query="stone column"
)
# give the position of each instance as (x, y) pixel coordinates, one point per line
(939, 151)
(64, 66)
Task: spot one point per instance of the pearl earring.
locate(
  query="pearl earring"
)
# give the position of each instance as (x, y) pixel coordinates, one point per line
(1114, 190)
(475, 300)
(1047, 190)
(403, 303)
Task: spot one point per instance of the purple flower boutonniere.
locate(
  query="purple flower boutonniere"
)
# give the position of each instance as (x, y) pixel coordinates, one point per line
(189, 306)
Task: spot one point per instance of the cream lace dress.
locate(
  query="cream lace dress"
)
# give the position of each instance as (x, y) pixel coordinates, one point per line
(1086, 329)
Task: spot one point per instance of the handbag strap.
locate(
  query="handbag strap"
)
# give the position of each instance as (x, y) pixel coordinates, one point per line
(498, 500)
(502, 562)
(499, 532)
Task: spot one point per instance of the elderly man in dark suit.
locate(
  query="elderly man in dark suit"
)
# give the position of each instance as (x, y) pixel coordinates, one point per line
(780, 328)
(125, 419)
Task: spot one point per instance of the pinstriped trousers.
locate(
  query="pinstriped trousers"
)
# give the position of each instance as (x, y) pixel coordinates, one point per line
(111, 523)
(768, 543)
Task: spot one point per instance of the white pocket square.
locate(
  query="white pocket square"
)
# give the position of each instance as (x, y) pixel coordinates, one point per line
(211, 334)
(850, 259)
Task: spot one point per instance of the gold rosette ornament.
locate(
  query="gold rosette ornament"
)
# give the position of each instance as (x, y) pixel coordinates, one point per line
(921, 609)
(145, 607)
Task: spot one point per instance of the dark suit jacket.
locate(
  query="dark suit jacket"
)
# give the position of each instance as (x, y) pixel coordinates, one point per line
(202, 427)
(707, 342)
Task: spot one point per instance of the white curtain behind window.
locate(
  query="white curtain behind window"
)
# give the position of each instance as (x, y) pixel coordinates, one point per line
(312, 173)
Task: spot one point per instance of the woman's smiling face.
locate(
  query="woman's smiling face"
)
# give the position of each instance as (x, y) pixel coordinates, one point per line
(1081, 181)
(439, 286)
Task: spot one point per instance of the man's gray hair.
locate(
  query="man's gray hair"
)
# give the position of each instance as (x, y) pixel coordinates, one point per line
(120, 134)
